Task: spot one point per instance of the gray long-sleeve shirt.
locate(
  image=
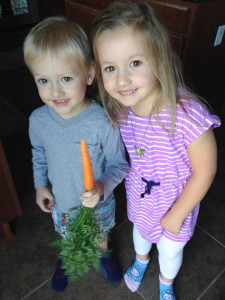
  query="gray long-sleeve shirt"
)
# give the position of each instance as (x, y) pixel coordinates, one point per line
(57, 158)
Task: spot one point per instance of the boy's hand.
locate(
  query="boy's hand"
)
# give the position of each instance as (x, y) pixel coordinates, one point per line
(171, 223)
(91, 198)
(44, 198)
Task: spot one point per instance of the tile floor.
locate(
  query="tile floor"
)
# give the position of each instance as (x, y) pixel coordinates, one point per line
(27, 261)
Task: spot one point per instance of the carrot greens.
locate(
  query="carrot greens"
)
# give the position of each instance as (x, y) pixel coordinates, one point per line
(80, 251)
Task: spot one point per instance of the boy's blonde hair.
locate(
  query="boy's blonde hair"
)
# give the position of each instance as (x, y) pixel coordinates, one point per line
(165, 63)
(58, 36)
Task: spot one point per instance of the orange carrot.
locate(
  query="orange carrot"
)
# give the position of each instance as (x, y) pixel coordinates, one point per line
(87, 167)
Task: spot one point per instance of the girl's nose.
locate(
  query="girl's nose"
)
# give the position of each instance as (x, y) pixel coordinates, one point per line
(123, 78)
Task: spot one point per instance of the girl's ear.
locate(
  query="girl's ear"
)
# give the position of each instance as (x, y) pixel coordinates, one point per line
(91, 73)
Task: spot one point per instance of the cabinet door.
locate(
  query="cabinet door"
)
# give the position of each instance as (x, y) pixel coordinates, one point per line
(174, 16)
(177, 43)
(9, 203)
(94, 3)
(81, 14)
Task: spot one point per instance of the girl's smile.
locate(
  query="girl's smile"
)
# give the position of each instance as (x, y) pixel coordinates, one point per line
(126, 71)
(127, 93)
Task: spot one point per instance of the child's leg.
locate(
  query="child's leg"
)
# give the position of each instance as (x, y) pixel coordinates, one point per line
(60, 279)
(170, 261)
(108, 263)
(105, 218)
(135, 273)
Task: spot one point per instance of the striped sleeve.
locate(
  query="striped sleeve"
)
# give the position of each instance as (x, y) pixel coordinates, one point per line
(195, 121)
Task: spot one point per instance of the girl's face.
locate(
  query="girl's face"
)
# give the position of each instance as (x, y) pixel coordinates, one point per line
(127, 74)
(62, 84)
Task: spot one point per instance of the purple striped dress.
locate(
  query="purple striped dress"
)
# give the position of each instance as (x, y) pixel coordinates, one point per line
(165, 162)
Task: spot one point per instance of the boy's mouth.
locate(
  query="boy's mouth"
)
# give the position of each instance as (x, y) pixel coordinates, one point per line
(61, 102)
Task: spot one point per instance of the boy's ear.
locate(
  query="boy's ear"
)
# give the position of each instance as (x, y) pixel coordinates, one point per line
(91, 73)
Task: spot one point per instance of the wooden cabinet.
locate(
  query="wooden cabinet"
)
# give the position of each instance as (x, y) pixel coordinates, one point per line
(83, 14)
(192, 28)
(9, 203)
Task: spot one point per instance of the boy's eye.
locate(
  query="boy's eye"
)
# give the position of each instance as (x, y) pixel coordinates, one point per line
(66, 79)
(42, 81)
(135, 63)
(109, 69)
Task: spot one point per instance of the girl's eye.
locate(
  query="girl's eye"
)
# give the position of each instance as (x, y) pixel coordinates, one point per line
(109, 69)
(135, 63)
(42, 81)
(66, 79)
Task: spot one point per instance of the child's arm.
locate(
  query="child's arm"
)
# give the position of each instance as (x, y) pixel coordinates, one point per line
(44, 198)
(203, 158)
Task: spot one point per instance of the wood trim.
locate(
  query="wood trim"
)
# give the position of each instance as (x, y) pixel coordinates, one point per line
(5, 233)
(9, 202)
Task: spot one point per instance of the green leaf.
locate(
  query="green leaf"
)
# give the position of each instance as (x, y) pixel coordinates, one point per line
(80, 250)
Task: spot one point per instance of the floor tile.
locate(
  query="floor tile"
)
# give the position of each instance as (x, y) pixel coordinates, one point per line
(93, 286)
(28, 258)
(203, 260)
(216, 290)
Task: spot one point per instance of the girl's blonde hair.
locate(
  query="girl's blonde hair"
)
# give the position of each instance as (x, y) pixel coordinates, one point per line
(165, 63)
(58, 36)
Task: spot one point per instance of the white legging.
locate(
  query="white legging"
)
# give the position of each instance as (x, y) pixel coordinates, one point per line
(170, 253)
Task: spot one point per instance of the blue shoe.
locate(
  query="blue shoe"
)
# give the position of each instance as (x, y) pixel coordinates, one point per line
(134, 275)
(166, 292)
(59, 279)
(110, 268)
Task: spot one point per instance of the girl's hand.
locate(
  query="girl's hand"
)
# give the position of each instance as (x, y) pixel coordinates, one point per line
(171, 223)
(44, 198)
(91, 198)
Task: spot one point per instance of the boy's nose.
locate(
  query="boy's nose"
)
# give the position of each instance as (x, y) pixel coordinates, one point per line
(57, 90)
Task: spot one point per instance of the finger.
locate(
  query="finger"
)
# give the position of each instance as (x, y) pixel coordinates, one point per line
(87, 194)
(89, 203)
(86, 204)
(46, 209)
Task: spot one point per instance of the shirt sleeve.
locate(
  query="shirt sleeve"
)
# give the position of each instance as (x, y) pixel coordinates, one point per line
(40, 171)
(195, 121)
(116, 165)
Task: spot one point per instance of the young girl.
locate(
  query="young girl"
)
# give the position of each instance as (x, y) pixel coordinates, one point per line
(167, 132)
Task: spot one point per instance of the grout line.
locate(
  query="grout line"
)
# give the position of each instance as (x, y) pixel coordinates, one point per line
(211, 236)
(38, 287)
(140, 295)
(211, 284)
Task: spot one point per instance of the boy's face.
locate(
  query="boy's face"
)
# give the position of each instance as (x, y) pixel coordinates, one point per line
(126, 72)
(62, 83)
